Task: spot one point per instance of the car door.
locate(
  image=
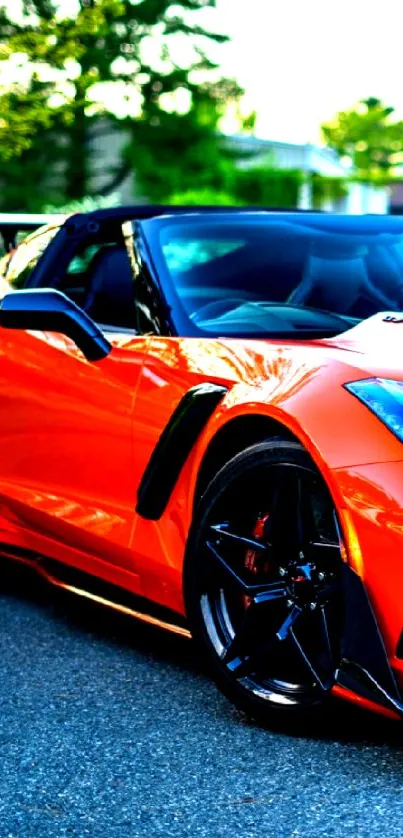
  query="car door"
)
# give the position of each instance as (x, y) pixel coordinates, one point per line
(66, 476)
(67, 488)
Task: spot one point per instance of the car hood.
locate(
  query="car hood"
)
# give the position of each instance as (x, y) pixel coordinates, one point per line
(373, 347)
(378, 340)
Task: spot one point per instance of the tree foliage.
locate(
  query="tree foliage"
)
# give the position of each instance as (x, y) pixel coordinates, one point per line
(77, 67)
(369, 136)
(173, 153)
(204, 197)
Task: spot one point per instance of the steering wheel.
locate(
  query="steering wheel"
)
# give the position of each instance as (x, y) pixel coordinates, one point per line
(216, 309)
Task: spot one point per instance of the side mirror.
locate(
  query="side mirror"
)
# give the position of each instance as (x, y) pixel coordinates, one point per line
(48, 310)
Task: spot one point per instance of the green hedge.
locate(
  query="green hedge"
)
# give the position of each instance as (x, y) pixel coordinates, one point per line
(261, 186)
(325, 189)
(203, 197)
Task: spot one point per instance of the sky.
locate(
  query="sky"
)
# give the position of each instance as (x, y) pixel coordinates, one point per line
(302, 61)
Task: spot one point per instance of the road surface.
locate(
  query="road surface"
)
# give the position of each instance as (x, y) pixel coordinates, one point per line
(110, 728)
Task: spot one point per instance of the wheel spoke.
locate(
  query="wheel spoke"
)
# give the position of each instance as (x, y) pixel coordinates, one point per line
(223, 564)
(275, 523)
(329, 591)
(323, 553)
(300, 502)
(326, 636)
(265, 592)
(287, 524)
(251, 543)
(290, 620)
(243, 665)
(322, 546)
(234, 647)
(308, 526)
(324, 684)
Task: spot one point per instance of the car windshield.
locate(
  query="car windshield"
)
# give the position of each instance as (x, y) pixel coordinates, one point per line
(268, 273)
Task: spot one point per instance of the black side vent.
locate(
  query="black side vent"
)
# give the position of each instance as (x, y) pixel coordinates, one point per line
(174, 446)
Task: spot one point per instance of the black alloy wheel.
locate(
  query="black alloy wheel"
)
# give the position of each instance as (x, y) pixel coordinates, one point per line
(263, 581)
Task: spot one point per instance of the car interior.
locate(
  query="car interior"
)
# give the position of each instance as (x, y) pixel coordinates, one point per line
(99, 279)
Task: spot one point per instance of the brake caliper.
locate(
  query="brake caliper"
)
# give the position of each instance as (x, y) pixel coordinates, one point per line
(252, 557)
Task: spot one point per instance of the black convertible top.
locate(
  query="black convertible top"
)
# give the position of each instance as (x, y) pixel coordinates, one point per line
(144, 211)
(11, 224)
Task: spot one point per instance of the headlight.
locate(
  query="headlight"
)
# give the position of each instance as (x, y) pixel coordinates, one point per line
(385, 398)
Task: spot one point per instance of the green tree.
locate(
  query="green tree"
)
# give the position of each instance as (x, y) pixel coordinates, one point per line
(173, 153)
(369, 136)
(124, 48)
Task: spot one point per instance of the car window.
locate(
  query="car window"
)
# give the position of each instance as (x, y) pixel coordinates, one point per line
(21, 262)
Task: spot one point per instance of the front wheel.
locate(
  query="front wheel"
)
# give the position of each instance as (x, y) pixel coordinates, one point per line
(263, 581)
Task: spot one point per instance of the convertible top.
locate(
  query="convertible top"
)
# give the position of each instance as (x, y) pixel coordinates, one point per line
(144, 211)
(13, 223)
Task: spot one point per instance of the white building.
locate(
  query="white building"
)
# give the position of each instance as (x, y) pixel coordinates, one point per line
(361, 197)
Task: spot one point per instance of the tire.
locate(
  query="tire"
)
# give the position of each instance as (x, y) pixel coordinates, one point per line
(262, 582)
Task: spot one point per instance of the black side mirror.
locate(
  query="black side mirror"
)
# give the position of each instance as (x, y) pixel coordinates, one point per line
(48, 310)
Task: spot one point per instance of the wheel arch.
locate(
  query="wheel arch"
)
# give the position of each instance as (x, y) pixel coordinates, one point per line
(242, 426)
(233, 437)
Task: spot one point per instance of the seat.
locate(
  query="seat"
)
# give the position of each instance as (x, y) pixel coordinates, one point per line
(111, 298)
(338, 285)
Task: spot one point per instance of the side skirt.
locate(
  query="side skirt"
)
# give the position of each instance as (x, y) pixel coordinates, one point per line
(90, 587)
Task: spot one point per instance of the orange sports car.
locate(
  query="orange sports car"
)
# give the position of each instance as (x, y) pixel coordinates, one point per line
(202, 424)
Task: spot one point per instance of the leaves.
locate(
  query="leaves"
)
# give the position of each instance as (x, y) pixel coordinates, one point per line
(369, 136)
(24, 117)
(69, 56)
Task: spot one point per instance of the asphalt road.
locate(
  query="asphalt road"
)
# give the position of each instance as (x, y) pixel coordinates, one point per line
(112, 729)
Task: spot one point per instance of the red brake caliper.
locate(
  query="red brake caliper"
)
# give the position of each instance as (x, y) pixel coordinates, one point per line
(252, 556)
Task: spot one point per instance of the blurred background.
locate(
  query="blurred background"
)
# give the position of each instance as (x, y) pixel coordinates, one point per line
(249, 102)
